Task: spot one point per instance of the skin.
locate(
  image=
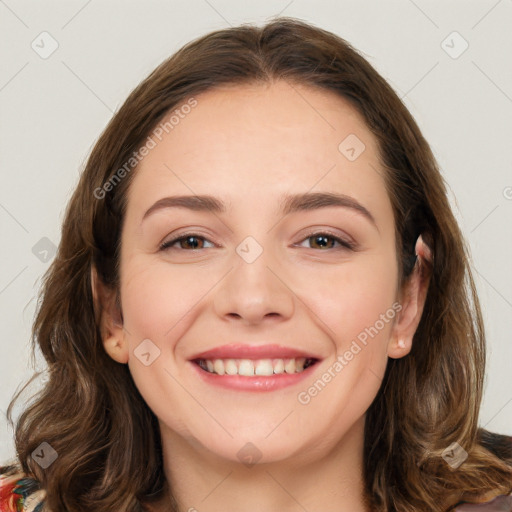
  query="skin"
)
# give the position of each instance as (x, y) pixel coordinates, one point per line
(249, 145)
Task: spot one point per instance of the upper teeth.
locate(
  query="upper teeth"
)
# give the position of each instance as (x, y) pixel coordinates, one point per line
(252, 367)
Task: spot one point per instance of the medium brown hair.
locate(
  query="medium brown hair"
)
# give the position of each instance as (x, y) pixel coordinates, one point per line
(90, 411)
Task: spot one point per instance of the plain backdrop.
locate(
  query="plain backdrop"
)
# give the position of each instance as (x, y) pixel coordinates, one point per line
(66, 67)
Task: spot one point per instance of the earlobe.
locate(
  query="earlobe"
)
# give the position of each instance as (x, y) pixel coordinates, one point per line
(414, 296)
(398, 348)
(109, 317)
(116, 349)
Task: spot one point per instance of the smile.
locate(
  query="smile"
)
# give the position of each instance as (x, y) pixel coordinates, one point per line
(255, 368)
(245, 367)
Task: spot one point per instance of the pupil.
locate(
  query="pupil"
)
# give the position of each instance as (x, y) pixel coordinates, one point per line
(190, 241)
(321, 240)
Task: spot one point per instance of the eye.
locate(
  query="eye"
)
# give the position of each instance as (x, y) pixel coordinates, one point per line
(190, 241)
(320, 240)
(326, 241)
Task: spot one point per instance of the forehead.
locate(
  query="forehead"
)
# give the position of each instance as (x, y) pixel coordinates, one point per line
(256, 140)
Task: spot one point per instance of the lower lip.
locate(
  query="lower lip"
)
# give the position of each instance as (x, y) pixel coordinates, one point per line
(261, 383)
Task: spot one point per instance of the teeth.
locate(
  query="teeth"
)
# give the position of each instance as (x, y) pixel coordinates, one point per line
(289, 366)
(299, 365)
(264, 367)
(230, 367)
(218, 366)
(246, 368)
(251, 368)
(278, 366)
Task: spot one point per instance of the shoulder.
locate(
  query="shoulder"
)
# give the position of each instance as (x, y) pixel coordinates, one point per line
(501, 446)
(19, 492)
(501, 503)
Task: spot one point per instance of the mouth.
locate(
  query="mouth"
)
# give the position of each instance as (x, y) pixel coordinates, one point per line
(256, 367)
(243, 367)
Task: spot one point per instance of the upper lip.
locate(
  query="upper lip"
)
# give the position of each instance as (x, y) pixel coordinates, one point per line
(244, 351)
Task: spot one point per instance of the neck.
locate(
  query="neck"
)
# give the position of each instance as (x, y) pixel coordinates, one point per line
(202, 482)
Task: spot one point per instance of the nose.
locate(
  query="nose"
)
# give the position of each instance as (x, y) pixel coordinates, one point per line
(254, 292)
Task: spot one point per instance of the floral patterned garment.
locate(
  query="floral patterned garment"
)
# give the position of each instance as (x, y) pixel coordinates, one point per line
(19, 493)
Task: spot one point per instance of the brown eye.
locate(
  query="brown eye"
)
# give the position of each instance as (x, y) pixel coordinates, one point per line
(322, 241)
(191, 242)
(325, 241)
(187, 242)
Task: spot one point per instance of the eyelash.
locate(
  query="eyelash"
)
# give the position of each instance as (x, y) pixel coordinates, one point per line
(343, 243)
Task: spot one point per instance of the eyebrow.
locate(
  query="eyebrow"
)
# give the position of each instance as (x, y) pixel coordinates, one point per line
(290, 204)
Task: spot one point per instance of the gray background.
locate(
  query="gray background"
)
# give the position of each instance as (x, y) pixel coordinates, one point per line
(53, 109)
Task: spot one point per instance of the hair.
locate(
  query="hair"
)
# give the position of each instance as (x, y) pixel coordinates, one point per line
(90, 411)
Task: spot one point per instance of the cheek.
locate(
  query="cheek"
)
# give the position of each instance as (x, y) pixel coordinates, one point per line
(159, 300)
(350, 299)
(159, 304)
(355, 305)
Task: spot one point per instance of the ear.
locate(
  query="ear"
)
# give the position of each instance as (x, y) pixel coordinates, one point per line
(412, 298)
(109, 318)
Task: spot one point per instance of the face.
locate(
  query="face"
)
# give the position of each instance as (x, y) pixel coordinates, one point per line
(263, 279)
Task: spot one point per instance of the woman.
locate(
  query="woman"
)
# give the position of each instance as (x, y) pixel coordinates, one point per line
(261, 301)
